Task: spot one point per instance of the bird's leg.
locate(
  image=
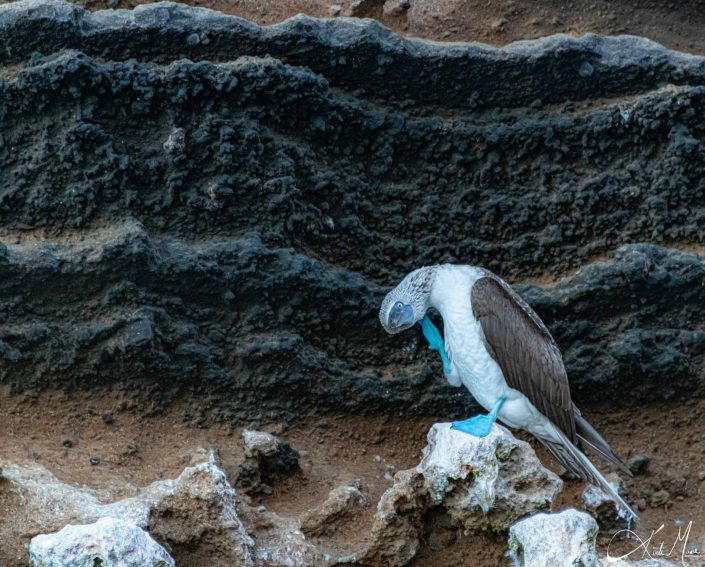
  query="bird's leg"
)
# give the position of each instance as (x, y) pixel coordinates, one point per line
(435, 342)
(480, 425)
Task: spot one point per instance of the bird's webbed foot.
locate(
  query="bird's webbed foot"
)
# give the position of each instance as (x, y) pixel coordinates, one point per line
(435, 342)
(479, 425)
(432, 334)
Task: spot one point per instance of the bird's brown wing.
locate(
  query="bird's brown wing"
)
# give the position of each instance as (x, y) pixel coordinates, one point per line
(524, 349)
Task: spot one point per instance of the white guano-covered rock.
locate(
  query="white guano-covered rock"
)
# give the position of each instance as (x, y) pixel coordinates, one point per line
(487, 482)
(108, 542)
(563, 539)
(259, 443)
(604, 508)
(196, 508)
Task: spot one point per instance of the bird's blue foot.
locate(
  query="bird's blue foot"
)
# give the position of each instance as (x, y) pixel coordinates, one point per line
(435, 342)
(480, 425)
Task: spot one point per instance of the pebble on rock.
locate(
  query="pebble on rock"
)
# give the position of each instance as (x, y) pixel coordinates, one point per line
(638, 464)
(499, 24)
(659, 498)
(266, 459)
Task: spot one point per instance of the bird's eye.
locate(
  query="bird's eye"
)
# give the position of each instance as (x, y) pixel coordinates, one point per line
(398, 305)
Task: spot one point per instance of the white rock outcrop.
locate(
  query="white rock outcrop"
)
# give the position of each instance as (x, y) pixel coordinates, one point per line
(483, 483)
(108, 542)
(488, 482)
(567, 538)
(604, 508)
(197, 506)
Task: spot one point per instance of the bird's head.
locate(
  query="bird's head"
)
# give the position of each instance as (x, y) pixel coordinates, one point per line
(407, 303)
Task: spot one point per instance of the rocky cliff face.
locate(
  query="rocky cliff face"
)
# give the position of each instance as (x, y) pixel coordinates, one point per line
(192, 204)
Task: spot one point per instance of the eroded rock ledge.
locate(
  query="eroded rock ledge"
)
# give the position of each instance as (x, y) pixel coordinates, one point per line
(174, 310)
(226, 224)
(460, 75)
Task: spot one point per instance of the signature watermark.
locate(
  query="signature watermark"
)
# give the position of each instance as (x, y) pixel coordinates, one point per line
(656, 546)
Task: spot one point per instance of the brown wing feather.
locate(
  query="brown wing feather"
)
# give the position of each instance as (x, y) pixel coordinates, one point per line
(524, 349)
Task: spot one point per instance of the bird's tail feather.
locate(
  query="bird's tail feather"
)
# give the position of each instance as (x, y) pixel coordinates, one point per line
(590, 438)
(577, 462)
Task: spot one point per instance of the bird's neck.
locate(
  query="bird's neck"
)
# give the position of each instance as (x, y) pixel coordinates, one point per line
(451, 289)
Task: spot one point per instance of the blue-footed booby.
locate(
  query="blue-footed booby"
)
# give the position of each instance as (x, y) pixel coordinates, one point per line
(499, 349)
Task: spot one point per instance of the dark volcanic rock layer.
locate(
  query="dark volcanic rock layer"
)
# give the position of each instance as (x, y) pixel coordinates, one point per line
(190, 203)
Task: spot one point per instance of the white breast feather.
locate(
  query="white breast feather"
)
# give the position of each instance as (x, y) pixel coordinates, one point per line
(471, 362)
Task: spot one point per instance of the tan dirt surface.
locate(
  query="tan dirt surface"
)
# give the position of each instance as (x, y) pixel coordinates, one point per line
(136, 448)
